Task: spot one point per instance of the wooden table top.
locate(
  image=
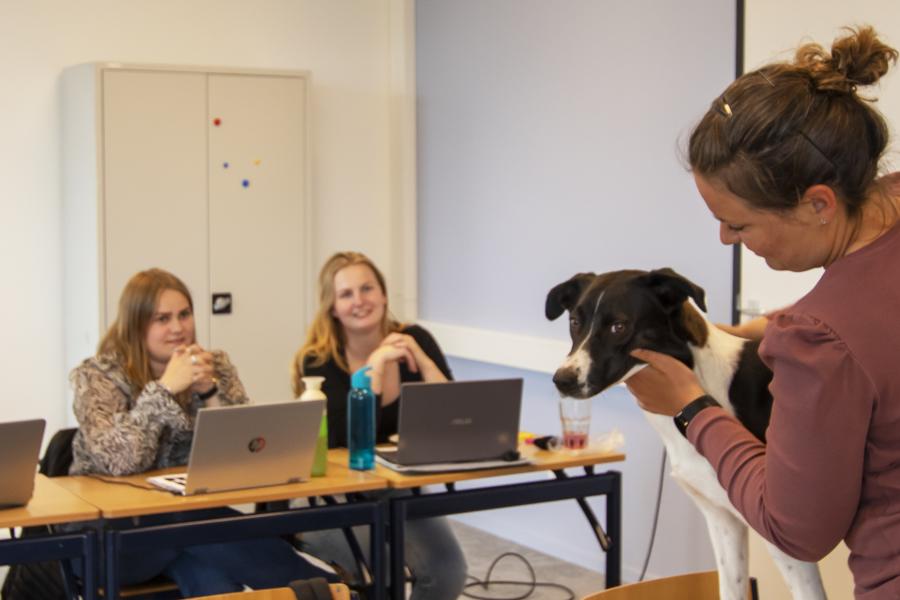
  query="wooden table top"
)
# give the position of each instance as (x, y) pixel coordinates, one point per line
(132, 496)
(50, 504)
(542, 460)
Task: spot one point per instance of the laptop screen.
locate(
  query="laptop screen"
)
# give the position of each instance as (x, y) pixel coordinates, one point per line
(20, 445)
(458, 421)
(253, 445)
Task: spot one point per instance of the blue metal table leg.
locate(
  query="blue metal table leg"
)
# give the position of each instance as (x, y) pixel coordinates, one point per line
(89, 578)
(377, 541)
(614, 530)
(111, 548)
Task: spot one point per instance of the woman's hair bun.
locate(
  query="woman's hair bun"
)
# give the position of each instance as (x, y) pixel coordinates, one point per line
(856, 59)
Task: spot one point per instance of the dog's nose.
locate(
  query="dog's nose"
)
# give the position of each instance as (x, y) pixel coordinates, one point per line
(566, 380)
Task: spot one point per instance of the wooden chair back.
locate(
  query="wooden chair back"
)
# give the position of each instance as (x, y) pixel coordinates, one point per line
(339, 591)
(691, 586)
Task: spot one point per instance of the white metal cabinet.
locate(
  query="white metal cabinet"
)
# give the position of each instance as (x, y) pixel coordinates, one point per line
(201, 172)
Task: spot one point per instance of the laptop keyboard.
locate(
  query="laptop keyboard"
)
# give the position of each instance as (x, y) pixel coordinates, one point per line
(171, 483)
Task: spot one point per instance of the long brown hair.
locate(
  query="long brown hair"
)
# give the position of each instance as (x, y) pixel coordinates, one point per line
(785, 127)
(325, 338)
(127, 336)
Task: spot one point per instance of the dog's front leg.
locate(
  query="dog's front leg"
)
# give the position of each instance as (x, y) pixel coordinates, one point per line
(802, 578)
(728, 535)
(730, 545)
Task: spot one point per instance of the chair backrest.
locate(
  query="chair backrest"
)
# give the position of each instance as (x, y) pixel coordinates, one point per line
(692, 586)
(297, 591)
(58, 456)
(282, 593)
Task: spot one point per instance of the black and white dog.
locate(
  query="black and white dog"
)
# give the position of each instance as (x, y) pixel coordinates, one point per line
(614, 313)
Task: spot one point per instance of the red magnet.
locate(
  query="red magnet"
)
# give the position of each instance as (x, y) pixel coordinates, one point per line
(217, 121)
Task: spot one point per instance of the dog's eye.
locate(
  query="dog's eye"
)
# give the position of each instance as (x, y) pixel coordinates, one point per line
(617, 327)
(574, 322)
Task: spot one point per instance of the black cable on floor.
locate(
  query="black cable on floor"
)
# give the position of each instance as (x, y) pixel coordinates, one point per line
(659, 489)
(532, 585)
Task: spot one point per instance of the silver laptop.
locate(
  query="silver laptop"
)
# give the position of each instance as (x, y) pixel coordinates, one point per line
(457, 422)
(248, 446)
(20, 447)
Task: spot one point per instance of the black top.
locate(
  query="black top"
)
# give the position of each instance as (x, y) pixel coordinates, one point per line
(337, 386)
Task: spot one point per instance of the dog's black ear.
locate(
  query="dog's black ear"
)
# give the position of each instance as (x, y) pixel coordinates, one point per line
(564, 296)
(673, 289)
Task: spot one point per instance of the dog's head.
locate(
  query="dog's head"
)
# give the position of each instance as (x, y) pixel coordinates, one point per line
(614, 313)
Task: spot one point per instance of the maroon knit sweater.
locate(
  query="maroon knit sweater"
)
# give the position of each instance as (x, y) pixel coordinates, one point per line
(831, 466)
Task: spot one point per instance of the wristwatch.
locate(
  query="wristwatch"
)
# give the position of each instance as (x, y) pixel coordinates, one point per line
(690, 411)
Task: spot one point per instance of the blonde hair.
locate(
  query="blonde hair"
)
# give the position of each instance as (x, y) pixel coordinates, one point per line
(127, 336)
(325, 338)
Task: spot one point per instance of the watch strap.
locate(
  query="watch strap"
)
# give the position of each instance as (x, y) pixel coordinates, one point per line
(683, 418)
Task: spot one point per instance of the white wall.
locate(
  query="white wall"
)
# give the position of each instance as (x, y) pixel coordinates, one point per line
(356, 53)
(773, 30)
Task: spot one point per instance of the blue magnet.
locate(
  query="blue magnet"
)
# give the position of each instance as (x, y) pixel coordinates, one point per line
(245, 183)
(224, 165)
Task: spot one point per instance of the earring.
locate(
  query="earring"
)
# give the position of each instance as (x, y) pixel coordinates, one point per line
(823, 221)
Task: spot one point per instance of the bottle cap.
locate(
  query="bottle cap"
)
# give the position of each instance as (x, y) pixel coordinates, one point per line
(361, 378)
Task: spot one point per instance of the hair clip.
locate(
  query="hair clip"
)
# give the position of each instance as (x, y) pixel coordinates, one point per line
(723, 107)
(766, 77)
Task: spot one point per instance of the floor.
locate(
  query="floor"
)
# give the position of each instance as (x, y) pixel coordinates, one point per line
(483, 548)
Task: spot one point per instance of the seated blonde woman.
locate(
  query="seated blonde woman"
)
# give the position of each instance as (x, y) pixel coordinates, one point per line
(354, 328)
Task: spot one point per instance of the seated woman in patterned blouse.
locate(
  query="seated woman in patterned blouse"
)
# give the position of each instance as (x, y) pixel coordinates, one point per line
(135, 402)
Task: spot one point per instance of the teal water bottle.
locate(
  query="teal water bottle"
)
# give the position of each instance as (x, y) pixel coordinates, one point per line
(361, 421)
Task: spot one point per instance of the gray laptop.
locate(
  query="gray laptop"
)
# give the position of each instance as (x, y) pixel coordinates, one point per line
(250, 445)
(20, 447)
(457, 422)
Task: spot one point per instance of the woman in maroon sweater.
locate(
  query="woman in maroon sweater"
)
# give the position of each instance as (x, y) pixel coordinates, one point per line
(787, 161)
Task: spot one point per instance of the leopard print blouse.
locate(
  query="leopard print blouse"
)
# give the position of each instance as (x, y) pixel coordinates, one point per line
(120, 434)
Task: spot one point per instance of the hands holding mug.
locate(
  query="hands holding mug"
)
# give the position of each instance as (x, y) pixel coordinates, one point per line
(190, 367)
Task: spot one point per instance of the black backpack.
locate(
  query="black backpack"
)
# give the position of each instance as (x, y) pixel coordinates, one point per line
(43, 580)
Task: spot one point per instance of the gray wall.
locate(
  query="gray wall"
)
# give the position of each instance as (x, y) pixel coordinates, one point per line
(548, 144)
(548, 136)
